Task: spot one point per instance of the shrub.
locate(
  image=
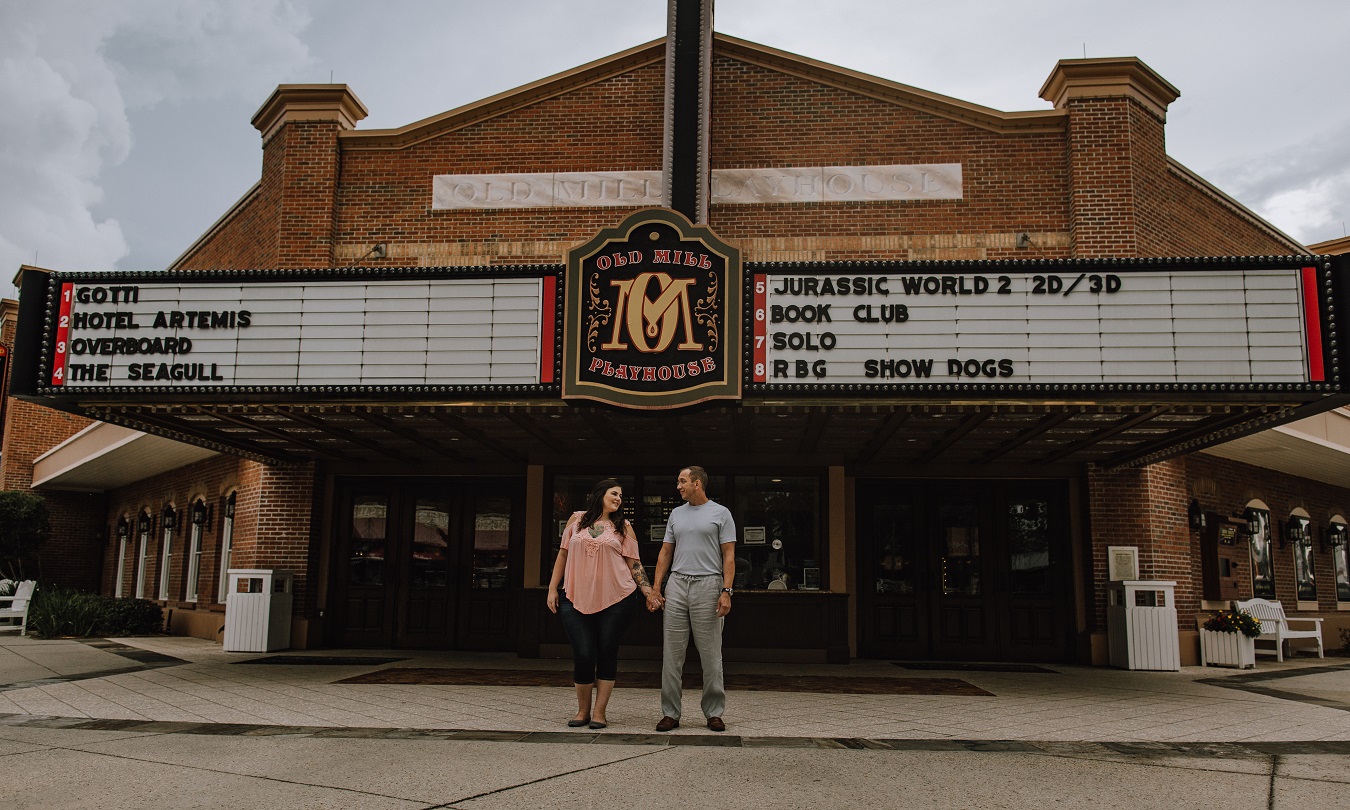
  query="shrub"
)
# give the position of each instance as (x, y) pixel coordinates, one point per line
(24, 526)
(57, 611)
(131, 617)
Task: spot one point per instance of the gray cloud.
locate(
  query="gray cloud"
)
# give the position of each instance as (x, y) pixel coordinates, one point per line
(70, 76)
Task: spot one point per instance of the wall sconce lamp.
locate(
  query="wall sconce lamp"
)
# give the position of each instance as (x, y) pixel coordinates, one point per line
(201, 513)
(1334, 536)
(143, 523)
(1294, 531)
(1196, 515)
(123, 529)
(1253, 522)
(170, 519)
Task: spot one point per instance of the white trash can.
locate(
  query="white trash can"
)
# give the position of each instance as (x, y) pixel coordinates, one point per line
(1141, 625)
(258, 610)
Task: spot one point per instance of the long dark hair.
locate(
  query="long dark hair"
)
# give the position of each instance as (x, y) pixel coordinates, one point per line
(595, 507)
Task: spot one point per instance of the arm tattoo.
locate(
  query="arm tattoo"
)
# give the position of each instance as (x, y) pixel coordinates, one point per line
(639, 576)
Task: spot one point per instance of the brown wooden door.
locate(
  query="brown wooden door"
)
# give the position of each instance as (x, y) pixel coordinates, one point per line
(427, 563)
(964, 570)
(1034, 602)
(364, 580)
(892, 575)
(961, 588)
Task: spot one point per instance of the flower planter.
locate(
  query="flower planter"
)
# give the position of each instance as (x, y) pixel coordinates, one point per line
(1219, 649)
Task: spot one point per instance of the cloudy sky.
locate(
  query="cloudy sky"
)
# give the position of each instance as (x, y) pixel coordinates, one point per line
(126, 129)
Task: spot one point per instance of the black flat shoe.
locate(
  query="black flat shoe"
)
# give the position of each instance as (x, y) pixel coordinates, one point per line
(596, 724)
(578, 723)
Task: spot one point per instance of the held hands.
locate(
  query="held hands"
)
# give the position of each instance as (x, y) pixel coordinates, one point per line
(655, 601)
(723, 605)
(553, 600)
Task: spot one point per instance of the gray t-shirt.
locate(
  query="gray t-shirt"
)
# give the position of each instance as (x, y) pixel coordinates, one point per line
(698, 532)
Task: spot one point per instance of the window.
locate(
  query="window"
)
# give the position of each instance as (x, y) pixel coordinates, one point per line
(1340, 557)
(194, 554)
(491, 543)
(370, 514)
(1029, 545)
(1305, 583)
(1263, 562)
(166, 551)
(143, 527)
(226, 542)
(430, 567)
(777, 522)
(778, 527)
(123, 537)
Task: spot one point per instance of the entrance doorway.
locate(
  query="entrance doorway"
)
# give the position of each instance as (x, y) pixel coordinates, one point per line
(429, 563)
(964, 570)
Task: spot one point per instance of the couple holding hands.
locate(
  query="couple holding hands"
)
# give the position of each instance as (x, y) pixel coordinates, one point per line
(603, 586)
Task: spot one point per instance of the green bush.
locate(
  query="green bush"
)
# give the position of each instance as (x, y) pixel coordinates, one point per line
(131, 617)
(58, 611)
(24, 526)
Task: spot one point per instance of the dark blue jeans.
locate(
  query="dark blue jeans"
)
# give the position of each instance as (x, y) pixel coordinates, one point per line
(595, 636)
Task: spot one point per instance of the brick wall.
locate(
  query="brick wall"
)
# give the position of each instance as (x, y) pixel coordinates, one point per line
(1144, 507)
(1097, 183)
(1235, 484)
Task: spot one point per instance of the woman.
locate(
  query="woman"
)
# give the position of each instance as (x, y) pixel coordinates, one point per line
(601, 574)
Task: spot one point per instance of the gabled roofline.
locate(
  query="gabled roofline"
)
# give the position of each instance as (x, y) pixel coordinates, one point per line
(492, 106)
(216, 226)
(752, 53)
(893, 92)
(1205, 187)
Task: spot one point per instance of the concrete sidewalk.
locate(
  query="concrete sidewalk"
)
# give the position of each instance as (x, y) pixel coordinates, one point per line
(177, 722)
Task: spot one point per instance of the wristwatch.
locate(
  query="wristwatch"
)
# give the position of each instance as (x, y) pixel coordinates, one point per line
(726, 591)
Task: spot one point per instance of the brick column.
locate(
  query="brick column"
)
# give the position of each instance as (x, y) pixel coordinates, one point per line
(1117, 109)
(1145, 507)
(273, 516)
(301, 164)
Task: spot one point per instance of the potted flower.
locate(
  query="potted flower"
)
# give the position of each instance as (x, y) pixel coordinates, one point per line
(1227, 639)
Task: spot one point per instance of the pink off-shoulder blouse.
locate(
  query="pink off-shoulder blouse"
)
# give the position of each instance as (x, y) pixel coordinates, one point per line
(597, 573)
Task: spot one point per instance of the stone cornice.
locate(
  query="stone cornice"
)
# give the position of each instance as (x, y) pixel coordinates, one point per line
(1332, 247)
(1116, 77)
(308, 102)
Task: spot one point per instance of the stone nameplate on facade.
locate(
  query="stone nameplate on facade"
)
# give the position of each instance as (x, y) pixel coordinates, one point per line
(814, 184)
(837, 184)
(557, 190)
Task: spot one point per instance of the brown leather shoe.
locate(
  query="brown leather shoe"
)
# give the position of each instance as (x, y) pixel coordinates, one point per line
(667, 723)
(716, 724)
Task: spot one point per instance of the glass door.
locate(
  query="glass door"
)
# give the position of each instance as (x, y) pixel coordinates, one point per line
(963, 571)
(959, 545)
(429, 563)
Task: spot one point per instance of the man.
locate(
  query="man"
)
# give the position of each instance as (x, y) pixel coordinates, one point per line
(699, 552)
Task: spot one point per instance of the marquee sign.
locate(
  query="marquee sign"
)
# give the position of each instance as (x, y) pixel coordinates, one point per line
(1094, 325)
(299, 330)
(653, 315)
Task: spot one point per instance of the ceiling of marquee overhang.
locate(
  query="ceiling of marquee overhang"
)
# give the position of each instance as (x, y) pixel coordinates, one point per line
(868, 438)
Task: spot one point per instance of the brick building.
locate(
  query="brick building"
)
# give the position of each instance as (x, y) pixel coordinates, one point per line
(958, 514)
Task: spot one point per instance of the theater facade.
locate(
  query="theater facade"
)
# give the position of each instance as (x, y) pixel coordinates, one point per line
(941, 362)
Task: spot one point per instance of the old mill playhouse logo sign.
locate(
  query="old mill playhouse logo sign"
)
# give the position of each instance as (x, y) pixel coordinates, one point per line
(653, 316)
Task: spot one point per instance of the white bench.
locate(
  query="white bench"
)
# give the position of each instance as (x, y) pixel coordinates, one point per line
(1275, 626)
(15, 607)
